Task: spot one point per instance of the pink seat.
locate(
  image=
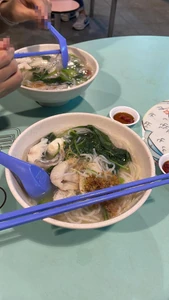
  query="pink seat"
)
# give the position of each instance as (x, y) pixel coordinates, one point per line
(63, 6)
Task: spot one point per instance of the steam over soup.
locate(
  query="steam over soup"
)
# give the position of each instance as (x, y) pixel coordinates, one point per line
(84, 159)
(46, 72)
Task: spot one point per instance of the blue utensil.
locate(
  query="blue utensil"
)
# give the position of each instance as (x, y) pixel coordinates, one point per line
(62, 43)
(27, 215)
(40, 53)
(35, 180)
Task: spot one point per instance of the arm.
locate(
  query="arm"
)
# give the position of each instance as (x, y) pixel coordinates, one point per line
(10, 76)
(4, 15)
(13, 12)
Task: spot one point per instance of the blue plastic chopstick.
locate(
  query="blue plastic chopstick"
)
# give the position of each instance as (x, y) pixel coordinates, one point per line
(62, 43)
(42, 211)
(40, 53)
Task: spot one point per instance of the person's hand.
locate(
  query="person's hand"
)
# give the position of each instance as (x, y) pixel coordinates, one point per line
(10, 76)
(25, 10)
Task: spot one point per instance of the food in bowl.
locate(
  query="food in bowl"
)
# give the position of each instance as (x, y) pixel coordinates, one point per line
(80, 157)
(165, 166)
(59, 96)
(81, 160)
(47, 73)
(124, 118)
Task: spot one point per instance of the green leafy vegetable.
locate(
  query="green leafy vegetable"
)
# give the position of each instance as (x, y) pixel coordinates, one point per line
(49, 170)
(51, 137)
(69, 73)
(58, 80)
(44, 200)
(93, 138)
(46, 57)
(121, 180)
(39, 76)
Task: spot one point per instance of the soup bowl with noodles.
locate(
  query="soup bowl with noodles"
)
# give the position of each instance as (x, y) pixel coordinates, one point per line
(46, 82)
(84, 152)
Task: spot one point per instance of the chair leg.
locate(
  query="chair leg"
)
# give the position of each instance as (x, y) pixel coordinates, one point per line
(112, 17)
(57, 21)
(92, 3)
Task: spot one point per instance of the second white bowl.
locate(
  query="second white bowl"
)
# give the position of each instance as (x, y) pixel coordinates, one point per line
(59, 97)
(64, 121)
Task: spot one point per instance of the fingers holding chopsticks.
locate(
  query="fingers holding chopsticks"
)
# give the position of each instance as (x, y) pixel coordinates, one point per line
(24, 10)
(10, 76)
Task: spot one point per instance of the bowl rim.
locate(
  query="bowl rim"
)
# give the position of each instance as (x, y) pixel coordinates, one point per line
(9, 179)
(120, 107)
(63, 90)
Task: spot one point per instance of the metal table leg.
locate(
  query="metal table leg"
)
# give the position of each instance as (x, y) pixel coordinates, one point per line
(112, 17)
(92, 3)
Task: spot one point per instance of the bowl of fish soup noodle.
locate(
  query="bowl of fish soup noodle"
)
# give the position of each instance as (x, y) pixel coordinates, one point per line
(47, 83)
(84, 152)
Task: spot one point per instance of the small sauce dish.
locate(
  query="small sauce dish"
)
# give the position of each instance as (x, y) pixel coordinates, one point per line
(164, 163)
(125, 115)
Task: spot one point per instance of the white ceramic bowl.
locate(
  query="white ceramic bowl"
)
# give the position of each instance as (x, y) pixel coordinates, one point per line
(65, 121)
(162, 160)
(125, 109)
(59, 97)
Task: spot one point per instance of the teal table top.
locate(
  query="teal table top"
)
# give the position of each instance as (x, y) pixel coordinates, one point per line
(129, 260)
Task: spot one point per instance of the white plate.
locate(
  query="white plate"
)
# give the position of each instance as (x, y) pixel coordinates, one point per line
(155, 126)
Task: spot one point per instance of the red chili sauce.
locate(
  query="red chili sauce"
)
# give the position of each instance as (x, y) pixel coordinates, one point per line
(124, 118)
(166, 166)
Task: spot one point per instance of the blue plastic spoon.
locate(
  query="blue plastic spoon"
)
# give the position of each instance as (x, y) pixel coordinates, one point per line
(35, 180)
